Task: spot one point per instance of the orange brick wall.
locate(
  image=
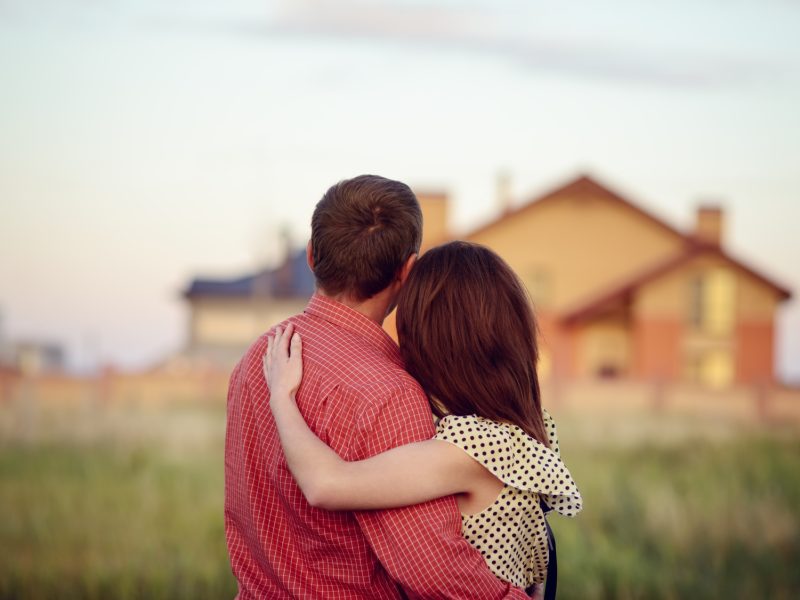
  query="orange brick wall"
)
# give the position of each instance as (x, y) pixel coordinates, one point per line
(657, 349)
(561, 344)
(754, 351)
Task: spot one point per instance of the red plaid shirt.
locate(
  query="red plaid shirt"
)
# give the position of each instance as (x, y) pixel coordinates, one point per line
(358, 399)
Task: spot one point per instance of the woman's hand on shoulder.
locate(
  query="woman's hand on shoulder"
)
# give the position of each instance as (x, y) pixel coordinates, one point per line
(283, 362)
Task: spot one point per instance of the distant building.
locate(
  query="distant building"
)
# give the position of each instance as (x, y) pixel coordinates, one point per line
(227, 315)
(32, 357)
(619, 293)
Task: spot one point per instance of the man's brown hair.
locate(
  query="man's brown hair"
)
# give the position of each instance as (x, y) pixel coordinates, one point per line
(467, 333)
(362, 232)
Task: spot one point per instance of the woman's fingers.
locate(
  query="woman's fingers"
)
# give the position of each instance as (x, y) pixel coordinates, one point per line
(282, 360)
(283, 344)
(296, 345)
(277, 342)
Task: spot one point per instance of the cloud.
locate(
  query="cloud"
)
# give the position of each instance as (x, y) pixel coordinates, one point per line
(481, 31)
(519, 34)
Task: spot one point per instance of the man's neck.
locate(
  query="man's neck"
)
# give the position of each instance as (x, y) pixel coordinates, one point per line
(375, 308)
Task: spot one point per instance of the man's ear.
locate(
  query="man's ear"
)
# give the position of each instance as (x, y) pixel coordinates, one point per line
(405, 270)
(310, 256)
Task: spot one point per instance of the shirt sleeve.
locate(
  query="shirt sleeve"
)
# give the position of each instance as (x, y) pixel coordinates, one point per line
(421, 546)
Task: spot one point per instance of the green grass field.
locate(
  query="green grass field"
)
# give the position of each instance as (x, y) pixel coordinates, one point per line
(703, 520)
(128, 515)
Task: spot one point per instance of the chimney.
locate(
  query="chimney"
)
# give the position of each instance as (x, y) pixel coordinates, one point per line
(434, 205)
(708, 228)
(503, 191)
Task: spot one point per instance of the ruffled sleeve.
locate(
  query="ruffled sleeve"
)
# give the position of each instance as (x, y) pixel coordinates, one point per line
(515, 458)
(552, 434)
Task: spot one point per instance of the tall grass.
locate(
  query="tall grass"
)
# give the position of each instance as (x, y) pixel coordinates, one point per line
(108, 520)
(702, 520)
(107, 516)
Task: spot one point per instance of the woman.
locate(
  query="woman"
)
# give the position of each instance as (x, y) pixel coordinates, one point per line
(468, 335)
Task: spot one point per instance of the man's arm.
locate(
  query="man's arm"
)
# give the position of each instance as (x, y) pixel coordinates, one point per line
(421, 546)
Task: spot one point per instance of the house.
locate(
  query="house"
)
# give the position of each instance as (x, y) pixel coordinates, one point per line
(31, 357)
(227, 315)
(619, 292)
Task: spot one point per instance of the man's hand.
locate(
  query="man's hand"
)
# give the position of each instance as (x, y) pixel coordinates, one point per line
(283, 362)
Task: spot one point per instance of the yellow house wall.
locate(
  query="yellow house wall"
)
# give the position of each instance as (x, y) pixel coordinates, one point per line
(669, 296)
(716, 358)
(664, 297)
(237, 322)
(754, 300)
(586, 245)
(434, 218)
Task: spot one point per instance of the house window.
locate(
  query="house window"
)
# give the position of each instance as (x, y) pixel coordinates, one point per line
(605, 351)
(717, 369)
(712, 297)
(696, 306)
(608, 371)
(710, 368)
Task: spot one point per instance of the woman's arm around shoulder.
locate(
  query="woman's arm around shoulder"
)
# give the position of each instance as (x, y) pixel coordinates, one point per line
(399, 477)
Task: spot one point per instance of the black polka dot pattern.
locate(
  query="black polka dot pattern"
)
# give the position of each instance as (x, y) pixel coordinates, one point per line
(511, 533)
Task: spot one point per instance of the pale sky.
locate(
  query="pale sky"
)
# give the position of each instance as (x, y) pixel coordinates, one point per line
(145, 142)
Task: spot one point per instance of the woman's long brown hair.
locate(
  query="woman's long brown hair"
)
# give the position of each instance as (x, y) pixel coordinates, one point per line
(467, 333)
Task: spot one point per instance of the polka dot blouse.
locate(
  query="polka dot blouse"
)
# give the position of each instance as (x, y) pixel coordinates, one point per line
(511, 533)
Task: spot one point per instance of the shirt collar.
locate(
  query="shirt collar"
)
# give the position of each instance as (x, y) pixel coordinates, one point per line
(347, 318)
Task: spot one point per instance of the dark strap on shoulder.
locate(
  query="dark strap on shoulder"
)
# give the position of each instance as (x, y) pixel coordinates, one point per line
(552, 566)
(551, 582)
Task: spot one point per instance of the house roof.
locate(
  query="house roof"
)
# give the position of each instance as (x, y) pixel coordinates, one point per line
(292, 279)
(585, 186)
(582, 186)
(625, 290)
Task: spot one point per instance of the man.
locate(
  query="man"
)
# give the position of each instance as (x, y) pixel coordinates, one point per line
(365, 236)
